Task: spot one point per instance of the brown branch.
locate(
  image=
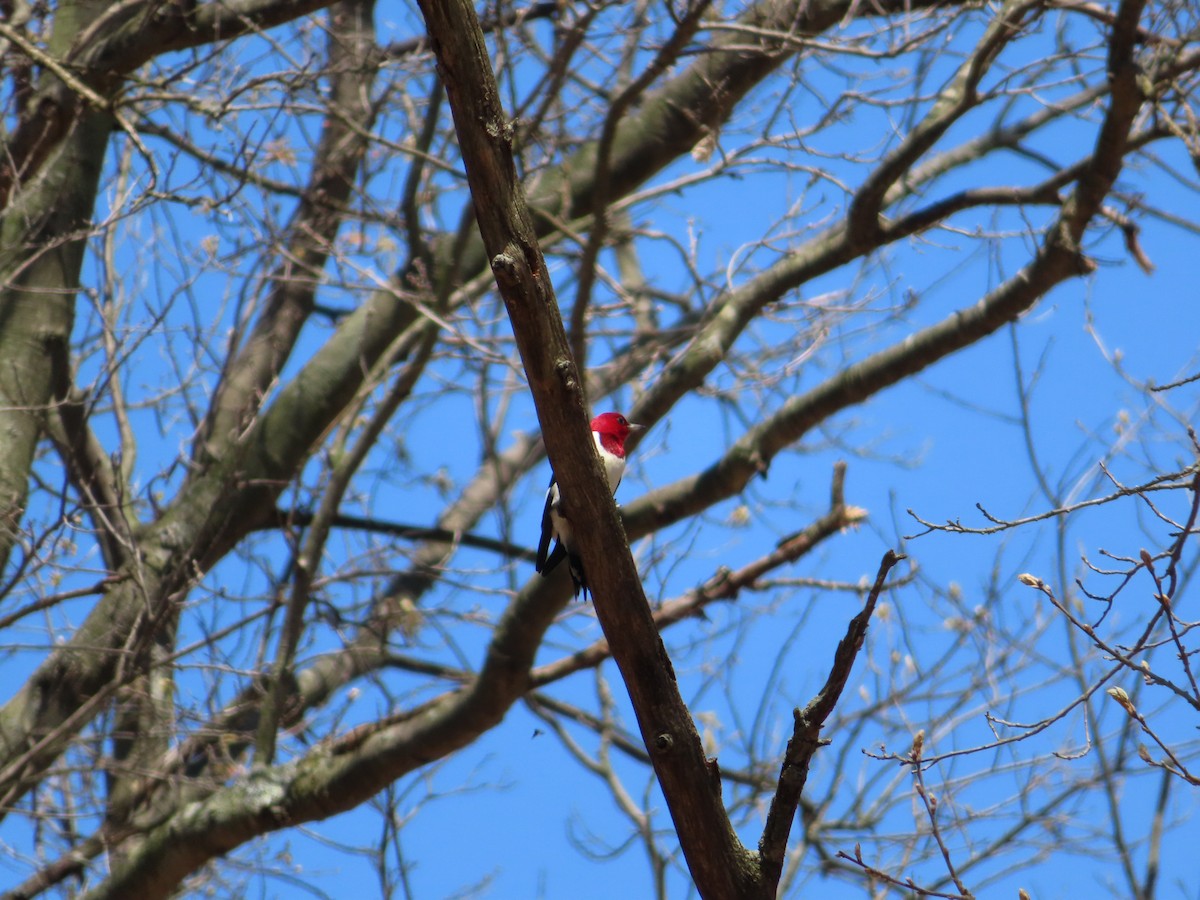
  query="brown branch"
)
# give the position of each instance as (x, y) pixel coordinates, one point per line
(906, 884)
(1168, 482)
(302, 518)
(930, 801)
(806, 735)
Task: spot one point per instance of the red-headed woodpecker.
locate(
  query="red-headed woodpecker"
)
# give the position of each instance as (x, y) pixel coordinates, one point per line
(609, 431)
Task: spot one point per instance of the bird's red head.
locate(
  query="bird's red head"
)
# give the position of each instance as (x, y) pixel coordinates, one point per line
(613, 429)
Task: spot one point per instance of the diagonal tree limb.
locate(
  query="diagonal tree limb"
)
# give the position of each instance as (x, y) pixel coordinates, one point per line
(720, 865)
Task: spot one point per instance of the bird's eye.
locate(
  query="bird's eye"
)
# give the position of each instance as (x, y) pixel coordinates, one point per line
(621, 420)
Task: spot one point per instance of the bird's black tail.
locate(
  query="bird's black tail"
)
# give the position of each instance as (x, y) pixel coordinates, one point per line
(578, 578)
(574, 563)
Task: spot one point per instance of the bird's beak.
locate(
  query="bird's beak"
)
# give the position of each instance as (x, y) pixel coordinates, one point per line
(637, 429)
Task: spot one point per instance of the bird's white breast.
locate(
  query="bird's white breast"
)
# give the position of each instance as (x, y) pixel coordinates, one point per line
(614, 466)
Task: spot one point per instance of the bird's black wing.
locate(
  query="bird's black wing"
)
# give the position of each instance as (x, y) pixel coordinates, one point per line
(545, 559)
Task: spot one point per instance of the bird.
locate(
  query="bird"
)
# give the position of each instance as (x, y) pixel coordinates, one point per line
(610, 430)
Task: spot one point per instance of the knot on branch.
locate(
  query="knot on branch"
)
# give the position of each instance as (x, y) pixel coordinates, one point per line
(565, 368)
(500, 132)
(504, 267)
